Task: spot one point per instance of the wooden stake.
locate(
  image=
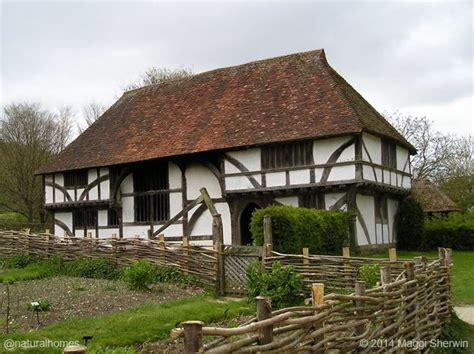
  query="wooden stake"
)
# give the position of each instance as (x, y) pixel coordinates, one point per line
(385, 275)
(317, 293)
(346, 251)
(193, 336)
(392, 255)
(186, 255)
(360, 291)
(264, 311)
(162, 247)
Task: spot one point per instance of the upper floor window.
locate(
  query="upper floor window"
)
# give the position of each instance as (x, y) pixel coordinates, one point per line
(75, 179)
(389, 154)
(151, 191)
(287, 155)
(84, 219)
(381, 210)
(112, 218)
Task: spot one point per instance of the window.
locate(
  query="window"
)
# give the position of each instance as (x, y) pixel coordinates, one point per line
(389, 154)
(75, 179)
(287, 155)
(112, 218)
(150, 185)
(312, 200)
(381, 210)
(84, 219)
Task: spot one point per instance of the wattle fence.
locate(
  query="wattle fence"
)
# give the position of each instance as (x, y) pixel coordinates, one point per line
(406, 312)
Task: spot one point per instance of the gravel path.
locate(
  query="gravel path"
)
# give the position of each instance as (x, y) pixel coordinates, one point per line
(465, 313)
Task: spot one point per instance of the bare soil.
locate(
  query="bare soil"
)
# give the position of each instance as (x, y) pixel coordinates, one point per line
(71, 298)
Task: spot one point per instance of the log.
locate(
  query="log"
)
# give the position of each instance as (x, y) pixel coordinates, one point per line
(264, 311)
(193, 336)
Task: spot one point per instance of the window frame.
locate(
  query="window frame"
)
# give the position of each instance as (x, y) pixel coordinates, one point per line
(381, 209)
(76, 179)
(389, 154)
(85, 215)
(286, 155)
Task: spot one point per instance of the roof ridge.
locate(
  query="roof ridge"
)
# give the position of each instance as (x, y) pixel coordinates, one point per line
(319, 52)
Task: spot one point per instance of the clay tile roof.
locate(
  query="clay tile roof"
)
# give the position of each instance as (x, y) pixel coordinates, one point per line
(431, 198)
(292, 97)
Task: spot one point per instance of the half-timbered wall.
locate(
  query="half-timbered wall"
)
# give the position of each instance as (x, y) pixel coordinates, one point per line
(374, 171)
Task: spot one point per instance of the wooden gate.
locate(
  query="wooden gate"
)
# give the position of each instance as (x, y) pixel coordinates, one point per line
(236, 261)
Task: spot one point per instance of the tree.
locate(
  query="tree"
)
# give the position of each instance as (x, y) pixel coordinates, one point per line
(440, 156)
(29, 137)
(91, 113)
(156, 75)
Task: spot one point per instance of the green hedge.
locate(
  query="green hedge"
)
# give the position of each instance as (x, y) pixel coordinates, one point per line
(322, 231)
(455, 231)
(410, 225)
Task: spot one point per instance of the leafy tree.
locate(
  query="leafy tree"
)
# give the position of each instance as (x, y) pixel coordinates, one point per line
(410, 225)
(29, 137)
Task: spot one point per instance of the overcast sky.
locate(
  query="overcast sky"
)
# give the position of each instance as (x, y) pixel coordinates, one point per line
(414, 57)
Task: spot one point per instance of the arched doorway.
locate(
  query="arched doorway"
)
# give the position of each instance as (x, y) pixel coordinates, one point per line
(245, 219)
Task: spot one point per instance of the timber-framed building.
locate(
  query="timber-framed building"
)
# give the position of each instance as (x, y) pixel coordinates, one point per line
(286, 130)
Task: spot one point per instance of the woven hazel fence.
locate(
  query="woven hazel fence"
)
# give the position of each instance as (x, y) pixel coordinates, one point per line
(411, 306)
(190, 260)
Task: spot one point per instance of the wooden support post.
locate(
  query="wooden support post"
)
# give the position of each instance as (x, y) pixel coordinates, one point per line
(162, 247)
(193, 336)
(392, 255)
(306, 262)
(386, 278)
(114, 247)
(346, 253)
(267, 246)
(442, 255)
(218, 237)
(264, 311)
(186, 255)
(317, 294)
(359, 291)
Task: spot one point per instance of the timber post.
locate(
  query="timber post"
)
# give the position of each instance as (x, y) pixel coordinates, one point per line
(346, 253)
(162, 247)
(267, 246)
(359, 291)
(385, 279)
(186, 255)
(193, 336)
(264, 311)
(317, 295)
(114, 247)
(392, 255)
(306, 260)
(412, 309)
(218, 237)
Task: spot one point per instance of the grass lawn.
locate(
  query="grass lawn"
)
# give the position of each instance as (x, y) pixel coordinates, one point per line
(462, 273)
(121, 331)
(36, 270)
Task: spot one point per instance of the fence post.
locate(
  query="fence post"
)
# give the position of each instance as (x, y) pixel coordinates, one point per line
(306, 262)
(193, 336)
(114, 247)
(162, 247)
(317, 294)
(346, 253)
(264, 311)
(392, 255)
(386, 278)
(218, 237)
(267, 246)
(186, 255)
(359, 291)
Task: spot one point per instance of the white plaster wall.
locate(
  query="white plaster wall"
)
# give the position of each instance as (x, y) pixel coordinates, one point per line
(299, 177)
(341, 173)
(78, 194)
(369, 173)
(402, 156)
(237, 182)
(102, 217)
(331, 198)
(392, 206)
(59, 179)
(174, 174)
(250, 158)
(128, 209)
(127, 184)
(366, 205)
(275, 179)
(107, 233)
(203, 225)
(48, 191)
(132, 231)
(374, 147)
(66, 218)
(323, 148)
(176, 203)
(292, 200)
(104, 186)
(198, 176)
(92, 176)
(172, 230)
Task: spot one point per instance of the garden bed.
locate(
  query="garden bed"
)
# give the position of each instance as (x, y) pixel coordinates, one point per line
(72, 298)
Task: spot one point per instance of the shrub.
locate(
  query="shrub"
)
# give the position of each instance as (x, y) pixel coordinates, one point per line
(20, 260)
(410, 225)
(322, 231)
(173, 275)
(91, 268)
(455, 231)
(370, 273)
(283, 285)
(141, 275)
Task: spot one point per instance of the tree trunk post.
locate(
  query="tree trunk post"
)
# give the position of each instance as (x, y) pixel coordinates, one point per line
(267, 246)
(317, 294)
(359, 291)
(392, 255)
(193, 336)
(264, 311)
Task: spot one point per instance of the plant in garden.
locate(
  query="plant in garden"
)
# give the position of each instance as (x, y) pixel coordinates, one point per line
(97, 268)
(20, 260)
(173, 275)
(41, 305)
(283, 285)
(370, 273)
(141, 275)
